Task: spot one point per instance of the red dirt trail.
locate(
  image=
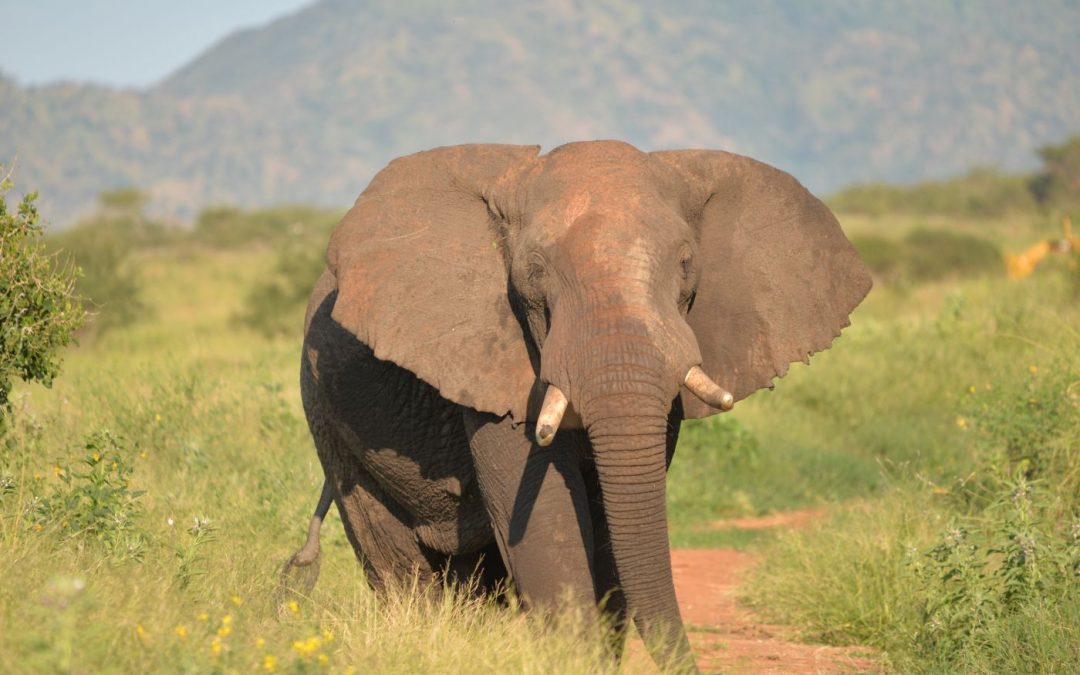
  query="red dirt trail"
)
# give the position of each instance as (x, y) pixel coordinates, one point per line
(728, 637)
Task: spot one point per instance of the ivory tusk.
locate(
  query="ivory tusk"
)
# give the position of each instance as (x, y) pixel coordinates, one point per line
(551, 414)
(702, 386)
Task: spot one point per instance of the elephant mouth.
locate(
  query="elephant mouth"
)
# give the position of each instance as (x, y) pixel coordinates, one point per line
(697, 382)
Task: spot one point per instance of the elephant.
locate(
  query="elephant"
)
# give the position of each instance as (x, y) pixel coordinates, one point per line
(503, 345)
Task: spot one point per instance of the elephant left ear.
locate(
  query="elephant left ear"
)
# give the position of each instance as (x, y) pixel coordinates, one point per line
(778, 278)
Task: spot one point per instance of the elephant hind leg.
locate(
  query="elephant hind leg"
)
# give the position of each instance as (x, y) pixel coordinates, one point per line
(390, 551)
(379, 532)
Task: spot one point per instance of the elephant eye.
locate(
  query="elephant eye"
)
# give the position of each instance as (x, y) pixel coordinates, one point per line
(686, 264)
(536, 271)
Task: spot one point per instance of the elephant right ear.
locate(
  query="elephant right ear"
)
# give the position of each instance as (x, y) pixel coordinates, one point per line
(421, 276)
(778, 276)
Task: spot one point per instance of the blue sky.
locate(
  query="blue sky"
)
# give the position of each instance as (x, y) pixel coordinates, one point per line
(128, 43)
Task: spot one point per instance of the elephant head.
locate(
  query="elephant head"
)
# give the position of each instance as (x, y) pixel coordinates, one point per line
(602, 280)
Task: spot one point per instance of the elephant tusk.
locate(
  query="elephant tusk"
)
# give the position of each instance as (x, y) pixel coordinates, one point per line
(702, 386)
(551, 414)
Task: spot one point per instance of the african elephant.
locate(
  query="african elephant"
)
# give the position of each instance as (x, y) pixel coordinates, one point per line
(501, 350)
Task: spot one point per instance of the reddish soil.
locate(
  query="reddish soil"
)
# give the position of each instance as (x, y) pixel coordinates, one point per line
(728, 637)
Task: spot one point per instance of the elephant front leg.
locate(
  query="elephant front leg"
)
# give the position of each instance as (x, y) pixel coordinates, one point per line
(539, 511)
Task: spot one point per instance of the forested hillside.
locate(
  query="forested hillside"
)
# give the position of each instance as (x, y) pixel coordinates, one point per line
(306, 108)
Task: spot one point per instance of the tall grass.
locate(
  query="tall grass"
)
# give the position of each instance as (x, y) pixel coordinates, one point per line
(914, 419)
(974, 409)
(155, 546)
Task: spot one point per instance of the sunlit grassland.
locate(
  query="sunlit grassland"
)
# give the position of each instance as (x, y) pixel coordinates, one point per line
(208, 416)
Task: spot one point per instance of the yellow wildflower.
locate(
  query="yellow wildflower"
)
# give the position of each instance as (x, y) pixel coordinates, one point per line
(260, 643)
(143, 454)
(157, 418)
(269, 663)
(181, 631)
(226, 620)
(140, 631)
(323, 659)
(114, 466)
(327, 635)
(96, 456)
(961, 422)
(224, 631)
(237, 600)
(216, 647)
(294, 607)
(203, 616)
(38, 527)
(39, 476)
(971, 389)
(57, 470)
(1033, 369)
(307, 647)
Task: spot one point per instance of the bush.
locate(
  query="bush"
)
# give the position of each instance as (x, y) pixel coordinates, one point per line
(231, 227)
(882, 255)
(38, 306)
(1058, 183)
(276, 305)
(938, 254)
(928, 255)
(109, 284)
(982, 192)
(96, 503)
(103, 246)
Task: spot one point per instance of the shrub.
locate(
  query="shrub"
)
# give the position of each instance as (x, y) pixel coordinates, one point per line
(102, 246)
(982, 192)
(938, 254)
(38, 306)
(882, 255)
(928, 255)
(1058, 183)
(231, 227)
(276, 305)
(95, 503)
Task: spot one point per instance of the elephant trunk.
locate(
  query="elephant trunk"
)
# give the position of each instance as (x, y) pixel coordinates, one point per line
(625, 409)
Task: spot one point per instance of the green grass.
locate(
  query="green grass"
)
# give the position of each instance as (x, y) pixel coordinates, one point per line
(901, 424)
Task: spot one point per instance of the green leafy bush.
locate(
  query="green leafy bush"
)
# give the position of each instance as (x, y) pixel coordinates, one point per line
(95, 503)
(38, 306)
(885, 257)
(102, 246)
(1058, 183)
(231, 227)
(983, 570)
(1032, 426)
(938, 254)
(275, 306)
(982, 192)
(928, 255)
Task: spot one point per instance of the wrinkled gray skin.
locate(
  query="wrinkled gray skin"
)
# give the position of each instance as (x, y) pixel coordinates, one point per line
(468, 279)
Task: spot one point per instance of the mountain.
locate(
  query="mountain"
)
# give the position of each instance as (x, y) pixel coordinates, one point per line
(308, 107)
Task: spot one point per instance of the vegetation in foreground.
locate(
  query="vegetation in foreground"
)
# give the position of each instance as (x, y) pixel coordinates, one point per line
(149, 498)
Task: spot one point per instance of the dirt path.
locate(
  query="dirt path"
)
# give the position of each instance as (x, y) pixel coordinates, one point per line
(728, 637)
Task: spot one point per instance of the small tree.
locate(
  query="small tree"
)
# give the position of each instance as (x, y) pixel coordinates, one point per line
(38, 307)
(1058, 183)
